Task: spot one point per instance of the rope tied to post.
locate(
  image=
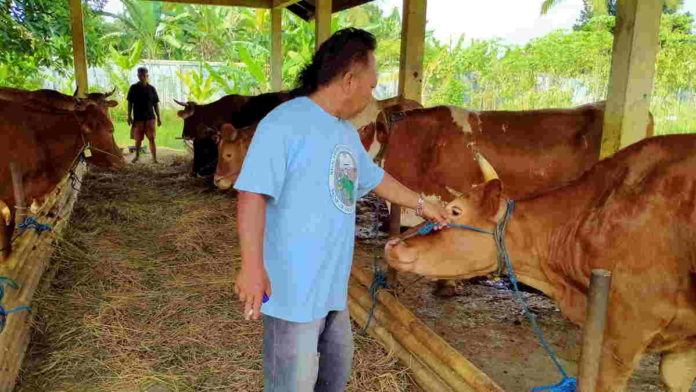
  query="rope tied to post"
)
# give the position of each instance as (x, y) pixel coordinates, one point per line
(567, 384)
(4, 313)
(31, 223)
(379, 282)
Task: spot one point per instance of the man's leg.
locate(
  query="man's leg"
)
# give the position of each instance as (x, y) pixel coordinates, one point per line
(138, 134)
(151, 139)
(335, 353)
(290, 356)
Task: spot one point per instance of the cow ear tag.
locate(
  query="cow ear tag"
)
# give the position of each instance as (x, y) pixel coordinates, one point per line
(88, 151)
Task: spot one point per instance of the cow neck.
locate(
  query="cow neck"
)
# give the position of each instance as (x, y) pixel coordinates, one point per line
(528, 240)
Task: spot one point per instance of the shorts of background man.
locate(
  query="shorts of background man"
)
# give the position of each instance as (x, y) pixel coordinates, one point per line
(140, 129)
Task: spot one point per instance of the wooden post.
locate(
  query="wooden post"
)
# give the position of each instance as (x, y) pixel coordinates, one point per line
(394, 231)
(593, 336)
(276, 49)
(79, 52)
(632, 69)
(322, 20)
(18, 186)
(412, 43)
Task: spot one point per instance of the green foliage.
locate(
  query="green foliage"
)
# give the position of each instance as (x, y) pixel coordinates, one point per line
(200, 86)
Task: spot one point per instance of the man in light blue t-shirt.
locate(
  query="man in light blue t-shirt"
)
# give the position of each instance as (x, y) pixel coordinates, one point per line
(301, 177)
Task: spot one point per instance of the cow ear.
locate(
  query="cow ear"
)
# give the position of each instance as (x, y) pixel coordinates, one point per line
(492, 194)
(184, 114)
(229, 132)
(111, 104)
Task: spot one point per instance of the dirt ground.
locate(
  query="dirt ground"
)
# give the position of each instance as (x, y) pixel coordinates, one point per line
(142, 301)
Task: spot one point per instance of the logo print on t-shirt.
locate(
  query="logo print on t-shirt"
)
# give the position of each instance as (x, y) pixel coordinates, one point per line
(343, 178)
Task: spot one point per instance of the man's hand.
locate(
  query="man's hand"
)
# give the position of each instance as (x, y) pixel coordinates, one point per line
(129, 120)
(436, 213)
(159, 122)
(250, 286)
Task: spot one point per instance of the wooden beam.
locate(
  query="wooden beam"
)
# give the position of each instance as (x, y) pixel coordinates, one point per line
(276, 49)
(322, 21)
(636, 42)
(412, 43)
(78, 43)
(284, 3)
(231, 3)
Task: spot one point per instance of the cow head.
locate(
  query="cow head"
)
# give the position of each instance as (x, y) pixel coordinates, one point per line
(188, 111)
(456, 252)
(99, 133)
(232, 148)
(102, 99)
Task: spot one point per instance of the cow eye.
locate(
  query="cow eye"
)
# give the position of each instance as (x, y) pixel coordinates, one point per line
(229, 155)
(456, 211)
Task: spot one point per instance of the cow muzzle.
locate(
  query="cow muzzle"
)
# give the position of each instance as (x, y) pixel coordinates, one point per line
(223, 182)
(400, 255)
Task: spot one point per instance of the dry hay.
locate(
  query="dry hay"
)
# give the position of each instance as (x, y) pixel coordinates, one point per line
(142, 295)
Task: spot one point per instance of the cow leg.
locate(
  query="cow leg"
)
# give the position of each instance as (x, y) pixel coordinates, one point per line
(678, 370)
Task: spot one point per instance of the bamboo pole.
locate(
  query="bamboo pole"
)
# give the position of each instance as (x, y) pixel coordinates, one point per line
(401, 334)
(421, 373)
(593, 336)
(27, 267)
(446, 353)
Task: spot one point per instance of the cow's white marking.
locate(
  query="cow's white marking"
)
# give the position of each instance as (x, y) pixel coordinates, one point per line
(461, 118)
(367, 116)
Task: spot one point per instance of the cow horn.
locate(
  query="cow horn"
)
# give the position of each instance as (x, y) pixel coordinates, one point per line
(454, 192)
(5, 213)
(181, 103)
(35, 207)
(486, 168)
(110, 93)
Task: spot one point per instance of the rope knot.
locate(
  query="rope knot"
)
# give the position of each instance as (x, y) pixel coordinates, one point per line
(31, 223)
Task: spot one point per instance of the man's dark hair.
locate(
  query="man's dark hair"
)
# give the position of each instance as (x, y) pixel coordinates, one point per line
(334, 58)
(142, 70)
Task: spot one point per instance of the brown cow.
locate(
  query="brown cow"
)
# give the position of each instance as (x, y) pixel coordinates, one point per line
(45, 144)
(202, 122)
(531, 150)
(633, 214)
(56, 100)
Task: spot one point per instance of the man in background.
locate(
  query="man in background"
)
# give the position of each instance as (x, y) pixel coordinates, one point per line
(142, 108)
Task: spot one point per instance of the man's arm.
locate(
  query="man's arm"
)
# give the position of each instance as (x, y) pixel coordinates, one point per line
(392, 190)
(159, 119)
(252, 281)
(130, 111)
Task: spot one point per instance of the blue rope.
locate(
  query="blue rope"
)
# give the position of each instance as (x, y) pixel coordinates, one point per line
(379, 282)
(568, 384)
(3, 313)
(31, 223)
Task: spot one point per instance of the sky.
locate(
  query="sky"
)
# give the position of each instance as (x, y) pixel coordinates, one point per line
(513, 21)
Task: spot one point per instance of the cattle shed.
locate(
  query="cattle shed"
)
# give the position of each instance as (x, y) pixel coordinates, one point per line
(435, 365)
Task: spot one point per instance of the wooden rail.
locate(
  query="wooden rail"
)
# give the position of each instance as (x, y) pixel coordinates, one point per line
(436, 365)
(27, 263)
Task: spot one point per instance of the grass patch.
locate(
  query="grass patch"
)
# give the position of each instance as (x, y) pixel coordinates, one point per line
(166, 134)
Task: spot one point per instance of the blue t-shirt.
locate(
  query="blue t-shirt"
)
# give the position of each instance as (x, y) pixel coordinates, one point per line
(313, 168)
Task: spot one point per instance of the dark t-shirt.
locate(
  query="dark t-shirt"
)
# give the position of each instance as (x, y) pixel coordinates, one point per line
(143, 99)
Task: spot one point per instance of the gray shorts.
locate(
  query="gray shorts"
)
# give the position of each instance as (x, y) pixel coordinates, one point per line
(306, 357)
